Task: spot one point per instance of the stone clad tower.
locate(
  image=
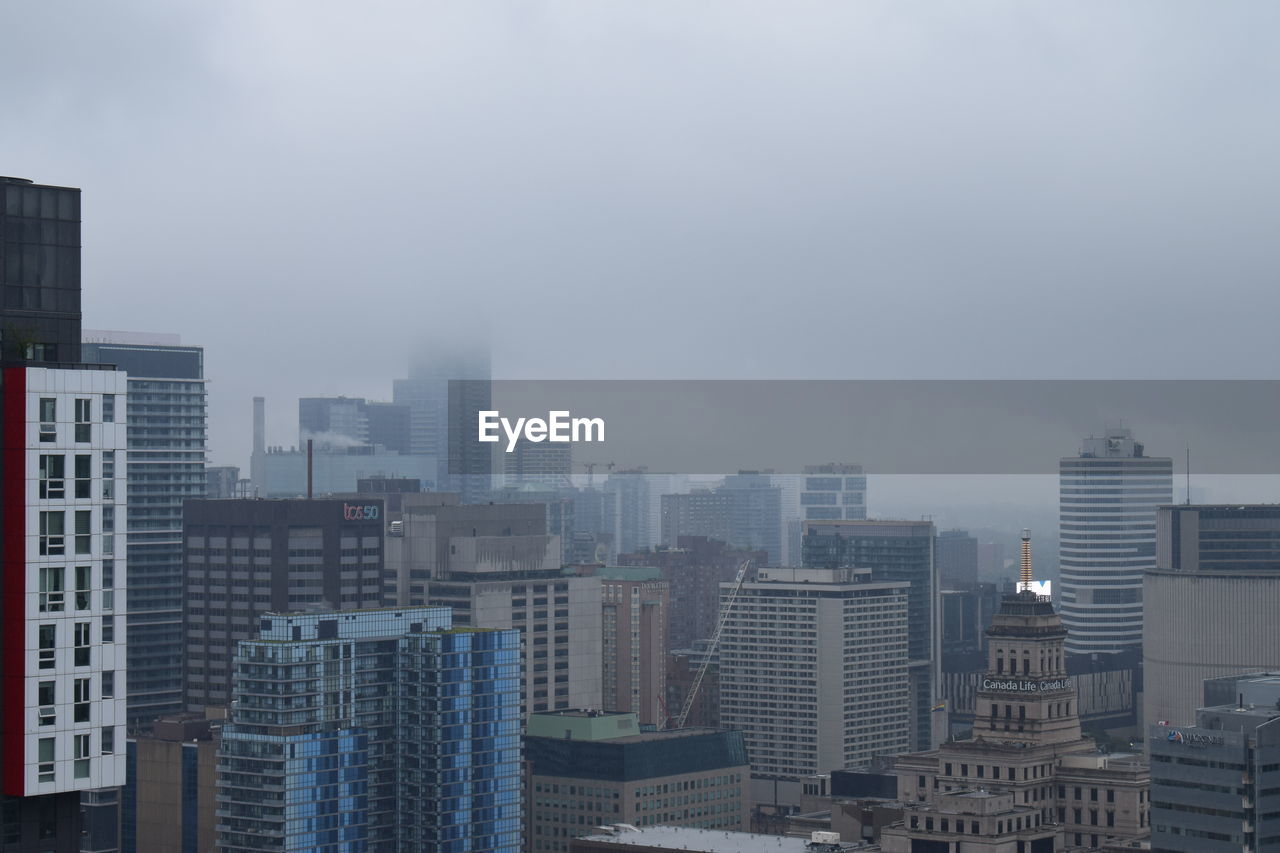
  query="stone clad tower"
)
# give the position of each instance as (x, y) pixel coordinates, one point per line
(1026, 696)
(1026, 741)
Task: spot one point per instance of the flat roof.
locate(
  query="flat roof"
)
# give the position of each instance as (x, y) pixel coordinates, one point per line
(711, 840)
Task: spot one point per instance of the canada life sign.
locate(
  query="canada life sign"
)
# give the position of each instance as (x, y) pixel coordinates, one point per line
(359, 512)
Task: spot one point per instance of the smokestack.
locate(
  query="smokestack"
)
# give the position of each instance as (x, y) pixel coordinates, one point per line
(258, 461)
(259, 424)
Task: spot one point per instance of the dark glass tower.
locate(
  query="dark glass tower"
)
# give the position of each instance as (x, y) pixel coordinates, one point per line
(39, 272)
(166, 440)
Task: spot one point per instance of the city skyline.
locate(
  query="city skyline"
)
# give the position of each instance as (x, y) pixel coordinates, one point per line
(983, 158)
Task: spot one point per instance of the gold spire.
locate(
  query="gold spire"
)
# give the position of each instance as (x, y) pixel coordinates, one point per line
(1024, 582)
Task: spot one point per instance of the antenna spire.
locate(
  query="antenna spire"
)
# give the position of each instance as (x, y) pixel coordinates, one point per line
(1024, 582)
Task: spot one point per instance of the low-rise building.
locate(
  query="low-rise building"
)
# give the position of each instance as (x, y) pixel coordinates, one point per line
(977, 821)
(623, 838)
(591, 768)
(1215, 786)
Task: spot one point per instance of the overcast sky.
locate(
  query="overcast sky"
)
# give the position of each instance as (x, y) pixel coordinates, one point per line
(662, 189)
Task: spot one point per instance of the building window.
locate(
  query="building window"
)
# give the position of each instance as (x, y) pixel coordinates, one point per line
(83, 417)
(108, 582)
(80, 695)
(53, 472)
(108, 408)
(45, 757)
(108, 684)
(109, 740)
(52, 597)
(84, 474)
(47, 698)
(81, 766)
(108, 629)
(48, 419)
(84, 539)
(84, 578)
(108, 475)
(53, 529)
(81, 644)
(48, 645)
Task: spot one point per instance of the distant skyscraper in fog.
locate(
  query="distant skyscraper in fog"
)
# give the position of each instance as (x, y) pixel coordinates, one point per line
(957, 559)
(542, 463)
(834, 491)
(445, 391)
(1107, 538)
(341, 422)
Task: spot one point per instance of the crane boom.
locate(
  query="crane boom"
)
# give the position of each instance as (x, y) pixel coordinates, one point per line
(714, 644)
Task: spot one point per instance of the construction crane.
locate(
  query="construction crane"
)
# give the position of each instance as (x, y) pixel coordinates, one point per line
(725, 609)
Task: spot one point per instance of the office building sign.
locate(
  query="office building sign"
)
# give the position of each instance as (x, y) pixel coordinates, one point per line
(1015, 685)
(355, 512)
(1194, 738)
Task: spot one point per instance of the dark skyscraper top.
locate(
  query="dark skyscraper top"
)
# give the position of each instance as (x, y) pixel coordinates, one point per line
(39, 272)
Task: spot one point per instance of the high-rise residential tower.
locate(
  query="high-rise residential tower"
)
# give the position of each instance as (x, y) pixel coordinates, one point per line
(636, 604)
(167, 439)
(62, 457)
(1108, 496)
(400, 733)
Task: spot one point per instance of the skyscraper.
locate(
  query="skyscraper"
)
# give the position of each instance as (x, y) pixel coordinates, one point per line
(1211, 603)
(893, 551)
(631, 492)
(636, 605)
(341, 422)
(813, 669)
(62, 447)
(166, 436)
(1107, 538)
(957, 560)
(403, 734)
(444, 392)
(245, 557)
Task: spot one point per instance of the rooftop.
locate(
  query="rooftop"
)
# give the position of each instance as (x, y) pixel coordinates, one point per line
(715, 840)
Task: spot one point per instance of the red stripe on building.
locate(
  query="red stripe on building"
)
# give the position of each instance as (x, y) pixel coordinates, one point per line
(13, 578)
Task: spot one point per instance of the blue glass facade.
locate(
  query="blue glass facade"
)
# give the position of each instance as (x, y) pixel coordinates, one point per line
(379, 730)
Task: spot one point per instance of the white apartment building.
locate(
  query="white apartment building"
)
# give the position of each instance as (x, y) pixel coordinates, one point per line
(63, 653)
(813, 668)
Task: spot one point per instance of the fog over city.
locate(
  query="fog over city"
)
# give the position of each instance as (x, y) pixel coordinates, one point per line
(661, 190)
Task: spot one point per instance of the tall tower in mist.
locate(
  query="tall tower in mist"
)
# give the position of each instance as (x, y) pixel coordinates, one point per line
(1107, 538)
(446, 388)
